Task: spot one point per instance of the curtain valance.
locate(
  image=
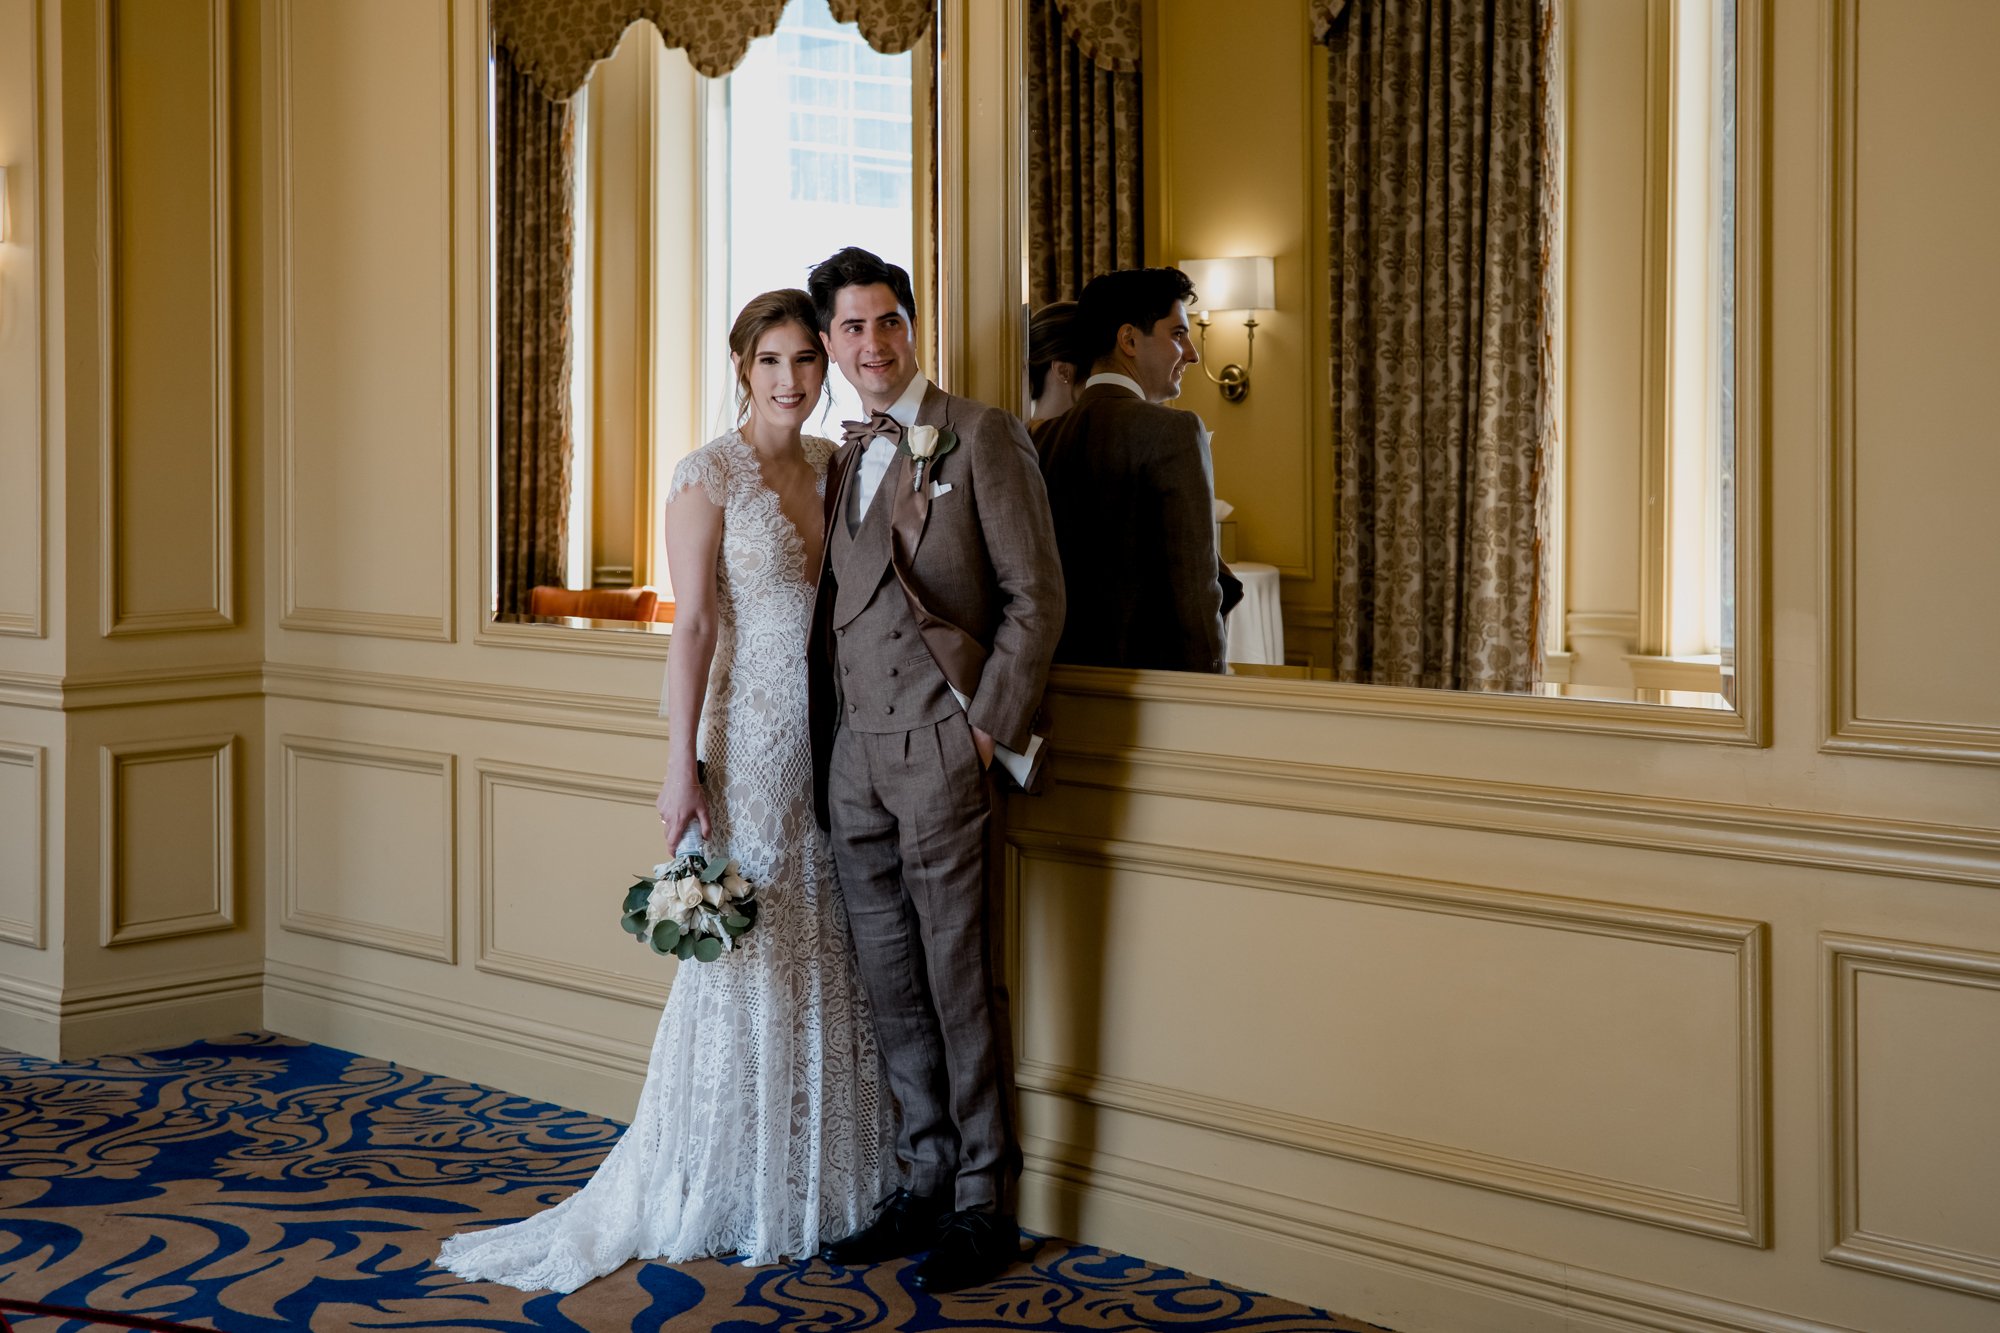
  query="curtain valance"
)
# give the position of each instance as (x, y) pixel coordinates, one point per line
(556, 42)
(1106, 31)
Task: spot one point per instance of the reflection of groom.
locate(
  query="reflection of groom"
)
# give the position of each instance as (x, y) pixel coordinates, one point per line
(940, 601)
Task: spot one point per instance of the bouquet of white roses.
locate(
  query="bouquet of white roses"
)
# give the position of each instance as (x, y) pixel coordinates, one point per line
(694, 906)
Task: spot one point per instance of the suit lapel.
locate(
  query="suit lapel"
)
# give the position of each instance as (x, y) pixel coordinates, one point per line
(913, 502)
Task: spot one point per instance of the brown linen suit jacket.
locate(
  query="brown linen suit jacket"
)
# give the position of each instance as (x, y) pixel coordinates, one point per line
(1134, 508)
(978, 564)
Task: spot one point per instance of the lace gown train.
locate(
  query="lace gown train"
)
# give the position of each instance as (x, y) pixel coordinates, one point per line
(764, 1123)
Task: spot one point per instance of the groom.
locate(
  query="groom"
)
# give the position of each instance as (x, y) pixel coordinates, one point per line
(940, 601)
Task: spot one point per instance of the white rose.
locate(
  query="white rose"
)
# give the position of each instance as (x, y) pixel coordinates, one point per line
(922, 441)
(687, 892)
(737, 886)
(713, 893)
(659, 903)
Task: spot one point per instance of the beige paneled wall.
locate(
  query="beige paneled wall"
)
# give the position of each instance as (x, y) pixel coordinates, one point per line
(22, 467)
(131, 827)
(1495, 1015)
(364, 404)
(1915, 464)
(168, 423)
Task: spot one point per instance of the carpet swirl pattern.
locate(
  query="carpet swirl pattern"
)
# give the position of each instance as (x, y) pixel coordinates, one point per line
(257, 1184)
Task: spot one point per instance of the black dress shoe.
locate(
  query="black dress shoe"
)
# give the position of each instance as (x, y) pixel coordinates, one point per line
(972, 1247)
(905, 1223)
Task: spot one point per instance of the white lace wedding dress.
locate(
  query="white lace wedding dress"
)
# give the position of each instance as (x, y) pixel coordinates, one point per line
(764, 1126)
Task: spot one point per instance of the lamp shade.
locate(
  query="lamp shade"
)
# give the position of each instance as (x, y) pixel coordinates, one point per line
(1248, 283)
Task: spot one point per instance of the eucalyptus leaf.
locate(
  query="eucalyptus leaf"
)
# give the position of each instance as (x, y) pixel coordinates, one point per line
(714, 871)
(685, 949)
(708, 948)
(666, 935)
(657, 947)
(636, 896)
(737, 924)
(634, 922)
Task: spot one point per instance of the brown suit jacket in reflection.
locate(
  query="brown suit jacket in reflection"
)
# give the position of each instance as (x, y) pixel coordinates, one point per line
(1134, 507)
(977, 563)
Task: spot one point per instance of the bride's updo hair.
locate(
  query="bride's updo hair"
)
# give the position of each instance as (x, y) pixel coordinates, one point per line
(761, 314)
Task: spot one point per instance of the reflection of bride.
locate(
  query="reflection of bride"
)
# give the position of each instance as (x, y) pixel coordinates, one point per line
(763, 1121)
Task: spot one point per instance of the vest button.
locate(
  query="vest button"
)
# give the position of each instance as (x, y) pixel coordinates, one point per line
(841, 631)
(854, 708)
(889, 708)
(895, 634)
(845, 669)
(892, 671)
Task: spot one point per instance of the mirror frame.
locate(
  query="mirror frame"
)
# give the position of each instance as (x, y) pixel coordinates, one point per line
(972, 107)
(1748, 723)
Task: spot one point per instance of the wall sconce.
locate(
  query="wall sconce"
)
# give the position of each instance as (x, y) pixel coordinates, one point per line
(1247, 284)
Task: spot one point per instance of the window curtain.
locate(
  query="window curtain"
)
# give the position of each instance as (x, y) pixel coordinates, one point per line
(1436, 151)
(543, 51)
(1084, 180)
(534, 237)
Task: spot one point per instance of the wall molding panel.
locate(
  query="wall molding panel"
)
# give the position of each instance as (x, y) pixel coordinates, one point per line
(333, 468)
(1857, 844)
(134, 1013)
(145, 252)
(24, 500)
(24, 854)
(317, 848)
(491, 956)
(151, 825)
(1330, 1256)
(1849, 728)
(1847, 1183)
(1743, 1216)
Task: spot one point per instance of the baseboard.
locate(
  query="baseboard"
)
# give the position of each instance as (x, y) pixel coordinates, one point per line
(150, 1012)
(574, 1069)
(30, 1018)
(1397, 1276)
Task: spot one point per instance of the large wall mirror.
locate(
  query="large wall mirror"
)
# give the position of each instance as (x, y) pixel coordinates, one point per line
(1495, 432)
(650, 175)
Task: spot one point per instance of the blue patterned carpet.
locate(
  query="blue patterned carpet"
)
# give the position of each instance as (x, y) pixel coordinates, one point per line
(258, 1184)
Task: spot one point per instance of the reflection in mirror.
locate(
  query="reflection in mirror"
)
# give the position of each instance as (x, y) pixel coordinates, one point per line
(1491, 439)
(642, 194)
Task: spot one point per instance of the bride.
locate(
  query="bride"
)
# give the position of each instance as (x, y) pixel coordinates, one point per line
(764, 1123)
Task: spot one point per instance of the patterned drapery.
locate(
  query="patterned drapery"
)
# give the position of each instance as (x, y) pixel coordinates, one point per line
(1435, 166)
(1084, 182)
(534, 142)
(555, 42)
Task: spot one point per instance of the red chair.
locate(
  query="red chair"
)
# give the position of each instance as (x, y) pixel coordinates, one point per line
(595, 603)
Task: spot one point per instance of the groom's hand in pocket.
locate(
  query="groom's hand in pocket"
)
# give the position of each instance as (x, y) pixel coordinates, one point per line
(983, 743)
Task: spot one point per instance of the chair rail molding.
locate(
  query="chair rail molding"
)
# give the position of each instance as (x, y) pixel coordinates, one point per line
(1857, 844)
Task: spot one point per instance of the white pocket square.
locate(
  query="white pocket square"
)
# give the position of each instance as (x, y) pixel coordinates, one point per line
(940, 488)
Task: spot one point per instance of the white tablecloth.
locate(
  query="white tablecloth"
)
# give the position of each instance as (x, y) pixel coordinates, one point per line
(1255, 630)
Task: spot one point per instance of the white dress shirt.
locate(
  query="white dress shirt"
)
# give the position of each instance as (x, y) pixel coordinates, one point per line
(881, 452)
(1113, 377)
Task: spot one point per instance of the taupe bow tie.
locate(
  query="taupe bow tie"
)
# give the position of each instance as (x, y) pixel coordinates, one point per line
(878, 423)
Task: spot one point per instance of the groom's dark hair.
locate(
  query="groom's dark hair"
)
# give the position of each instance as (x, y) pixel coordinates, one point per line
(855, 267)
(1141, 297)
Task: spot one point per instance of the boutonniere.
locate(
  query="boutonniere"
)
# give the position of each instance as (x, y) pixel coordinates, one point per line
(927, 444)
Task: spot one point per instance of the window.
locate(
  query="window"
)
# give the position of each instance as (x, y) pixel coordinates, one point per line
(696, 194)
